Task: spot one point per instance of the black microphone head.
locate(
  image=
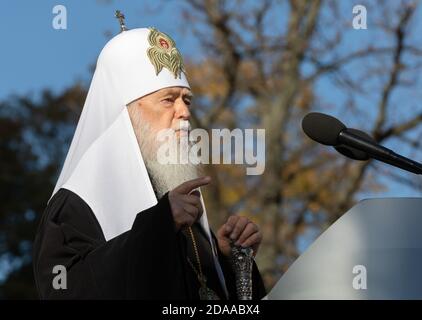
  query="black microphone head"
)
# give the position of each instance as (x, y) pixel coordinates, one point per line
(322, 128)
(354, 153)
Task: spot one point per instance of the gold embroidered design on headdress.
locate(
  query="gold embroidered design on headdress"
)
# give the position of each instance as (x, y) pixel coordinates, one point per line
(163, 53)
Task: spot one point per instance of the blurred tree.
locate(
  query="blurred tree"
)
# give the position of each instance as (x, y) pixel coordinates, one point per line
(34, 138)
(263, 66)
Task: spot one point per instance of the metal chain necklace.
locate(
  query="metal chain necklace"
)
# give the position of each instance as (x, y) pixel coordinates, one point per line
(205, 293)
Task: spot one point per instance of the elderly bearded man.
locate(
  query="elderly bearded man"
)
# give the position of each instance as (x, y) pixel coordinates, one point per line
(122, 225)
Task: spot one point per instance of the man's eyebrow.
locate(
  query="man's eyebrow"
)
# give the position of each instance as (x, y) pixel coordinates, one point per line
(175, 92)
(189, 95)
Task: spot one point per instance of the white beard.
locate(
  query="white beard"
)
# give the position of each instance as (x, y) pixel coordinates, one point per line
(164, 177)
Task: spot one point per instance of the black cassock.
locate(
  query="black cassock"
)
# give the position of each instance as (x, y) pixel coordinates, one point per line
(150, 261)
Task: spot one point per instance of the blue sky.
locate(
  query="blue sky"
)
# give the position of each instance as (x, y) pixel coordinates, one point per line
(35, 56)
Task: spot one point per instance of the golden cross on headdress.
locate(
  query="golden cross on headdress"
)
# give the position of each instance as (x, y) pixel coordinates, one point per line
(121, 18)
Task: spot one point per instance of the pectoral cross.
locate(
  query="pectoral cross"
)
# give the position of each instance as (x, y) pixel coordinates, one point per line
(121, 18)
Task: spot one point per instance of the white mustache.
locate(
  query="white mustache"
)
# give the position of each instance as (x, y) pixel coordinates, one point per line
(184, 125)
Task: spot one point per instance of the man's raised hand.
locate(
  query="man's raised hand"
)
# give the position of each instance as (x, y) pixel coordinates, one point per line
(186, 205)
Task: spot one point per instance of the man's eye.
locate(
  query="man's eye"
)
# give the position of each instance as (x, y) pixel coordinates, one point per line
(168, 100)
(188, 102)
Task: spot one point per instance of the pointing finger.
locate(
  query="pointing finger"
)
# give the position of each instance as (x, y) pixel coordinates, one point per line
(190, 185)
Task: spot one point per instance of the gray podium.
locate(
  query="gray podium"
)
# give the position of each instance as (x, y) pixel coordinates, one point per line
(374, 251)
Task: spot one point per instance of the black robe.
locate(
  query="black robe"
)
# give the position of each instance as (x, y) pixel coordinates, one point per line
(150, 261)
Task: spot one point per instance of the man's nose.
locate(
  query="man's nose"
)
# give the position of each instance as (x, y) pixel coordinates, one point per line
(182, 110)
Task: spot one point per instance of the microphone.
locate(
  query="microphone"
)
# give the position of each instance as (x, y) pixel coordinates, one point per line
(330, 131)
(354, 153)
